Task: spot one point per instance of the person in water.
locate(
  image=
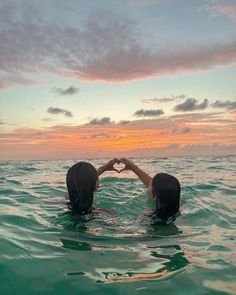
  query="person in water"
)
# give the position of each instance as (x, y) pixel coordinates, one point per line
(82, 180)
(163, 188)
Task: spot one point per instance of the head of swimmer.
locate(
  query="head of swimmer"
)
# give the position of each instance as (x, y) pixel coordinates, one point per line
(82, 181)
(165, 189)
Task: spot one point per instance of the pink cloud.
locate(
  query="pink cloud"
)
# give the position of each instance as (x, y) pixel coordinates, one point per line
(227, 8)
(110, 50)
(179, 134)
(138, 63)
(162, 99)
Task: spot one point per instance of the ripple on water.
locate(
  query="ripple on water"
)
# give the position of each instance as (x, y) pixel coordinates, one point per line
(118, 249)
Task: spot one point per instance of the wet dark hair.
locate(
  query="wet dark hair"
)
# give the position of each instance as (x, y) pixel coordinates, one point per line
(166, 188)
(81, 182)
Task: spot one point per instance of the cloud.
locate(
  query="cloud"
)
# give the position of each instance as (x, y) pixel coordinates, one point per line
(138, 62)
(181, 130)
(223, 7)
(167, 123)
(102, 121)
(144, 2)
(47, 120)
(124, 122)
(107, 120)
(211, 133)
(229, 105)
(174, 130)
(185, 130)
(162, 99)
(12, 78)
(67, 91)
(111, 50)
(100, 136)
(148, 113)
(2, 122)
(191, 104)
(56, 111)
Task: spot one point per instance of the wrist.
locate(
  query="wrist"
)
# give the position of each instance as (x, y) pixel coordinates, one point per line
(101, 170)
(133, 167)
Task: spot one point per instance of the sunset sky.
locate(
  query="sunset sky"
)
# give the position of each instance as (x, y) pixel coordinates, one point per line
(111, 78)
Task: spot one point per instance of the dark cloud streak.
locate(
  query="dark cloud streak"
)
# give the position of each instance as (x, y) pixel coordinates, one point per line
(124, 122)
(181, 130)
(67, 91)
(57, 111)
(229, 105)
(185, 130)
(191, 104)
(148, 113)
(162, 99)
(102, 121)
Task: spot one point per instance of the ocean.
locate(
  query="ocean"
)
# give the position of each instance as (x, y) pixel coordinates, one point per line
(44, 249)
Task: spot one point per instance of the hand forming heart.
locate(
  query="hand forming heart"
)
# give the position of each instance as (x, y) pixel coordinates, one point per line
(118, 165)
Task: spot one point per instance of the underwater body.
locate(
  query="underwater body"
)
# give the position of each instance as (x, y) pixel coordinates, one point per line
(47, 250)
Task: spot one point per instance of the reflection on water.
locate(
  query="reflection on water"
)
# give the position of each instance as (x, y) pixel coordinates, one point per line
(75, 245)
(168, 259)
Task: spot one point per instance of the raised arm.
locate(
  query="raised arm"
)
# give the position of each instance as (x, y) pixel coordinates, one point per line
(108, 167)
(143, 176)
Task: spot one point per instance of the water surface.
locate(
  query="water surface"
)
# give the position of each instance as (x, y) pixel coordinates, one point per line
(45, 250)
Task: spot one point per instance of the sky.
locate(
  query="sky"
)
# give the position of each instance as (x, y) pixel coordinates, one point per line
(114, 78)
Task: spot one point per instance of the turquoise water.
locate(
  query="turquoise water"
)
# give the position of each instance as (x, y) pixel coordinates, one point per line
(45, 250)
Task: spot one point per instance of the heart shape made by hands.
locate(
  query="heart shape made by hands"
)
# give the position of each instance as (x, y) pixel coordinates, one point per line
(119, 166)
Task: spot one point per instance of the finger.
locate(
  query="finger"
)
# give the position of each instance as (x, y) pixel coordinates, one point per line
(113, 161)
(122, 160)
(116, 161)
(114, 169)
